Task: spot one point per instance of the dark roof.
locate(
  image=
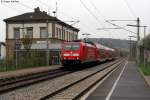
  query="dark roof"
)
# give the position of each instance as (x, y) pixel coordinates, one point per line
(37, 16)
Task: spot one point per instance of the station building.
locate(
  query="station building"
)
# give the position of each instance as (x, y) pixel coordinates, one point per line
(46, 32)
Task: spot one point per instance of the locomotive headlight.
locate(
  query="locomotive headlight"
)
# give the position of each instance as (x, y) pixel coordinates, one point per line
(75, 54)
(66, 54)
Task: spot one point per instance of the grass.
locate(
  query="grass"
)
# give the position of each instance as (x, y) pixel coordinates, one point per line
(145, 70)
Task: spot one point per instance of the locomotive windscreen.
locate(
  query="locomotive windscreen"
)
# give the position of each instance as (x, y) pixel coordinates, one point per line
(71, 46)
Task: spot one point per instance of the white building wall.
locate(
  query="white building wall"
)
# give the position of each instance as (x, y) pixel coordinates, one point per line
(36, 29)
(11, 30)
(50, 29)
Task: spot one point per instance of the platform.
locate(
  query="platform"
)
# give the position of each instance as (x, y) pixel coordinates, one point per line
(130, 86)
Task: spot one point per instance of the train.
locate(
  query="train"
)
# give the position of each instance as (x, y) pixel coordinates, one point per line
(80, 52)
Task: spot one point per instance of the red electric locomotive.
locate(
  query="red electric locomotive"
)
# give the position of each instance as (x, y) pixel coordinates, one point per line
(73, 53)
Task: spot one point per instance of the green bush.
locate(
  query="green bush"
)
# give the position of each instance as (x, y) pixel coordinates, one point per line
(23, 62)
(145, 70)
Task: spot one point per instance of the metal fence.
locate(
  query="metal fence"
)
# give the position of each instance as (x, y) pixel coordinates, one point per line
(37, 57)
(29, 59)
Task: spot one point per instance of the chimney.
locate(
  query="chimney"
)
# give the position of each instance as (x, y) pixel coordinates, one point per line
(37, 10)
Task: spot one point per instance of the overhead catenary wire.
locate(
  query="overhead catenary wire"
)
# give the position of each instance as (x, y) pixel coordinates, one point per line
(84, 25)
(26, 6)
(95, 17)
(121, 27)
(129, 7)
(14, 9)
(63, 13)
(22, 4)
(44, 3)
(104, 17)
(50, 7)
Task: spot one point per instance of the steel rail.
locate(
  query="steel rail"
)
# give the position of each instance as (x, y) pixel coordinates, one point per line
(31, 79)
(78, 81)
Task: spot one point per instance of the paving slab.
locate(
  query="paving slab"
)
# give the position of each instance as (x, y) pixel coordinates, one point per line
(131, 86)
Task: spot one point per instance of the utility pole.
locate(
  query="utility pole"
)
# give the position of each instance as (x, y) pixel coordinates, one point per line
(138, 28)
(138, 33)
(138, 38)
(131, 46)
(145, 55)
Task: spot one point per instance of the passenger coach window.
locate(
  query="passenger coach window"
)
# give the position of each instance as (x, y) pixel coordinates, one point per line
(72, 47)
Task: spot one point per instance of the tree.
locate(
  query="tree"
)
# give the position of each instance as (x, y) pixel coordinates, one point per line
(147, 42)
(27, 42)
(26, 55)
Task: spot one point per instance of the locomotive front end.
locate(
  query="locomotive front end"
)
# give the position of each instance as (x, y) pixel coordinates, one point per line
(70, 53)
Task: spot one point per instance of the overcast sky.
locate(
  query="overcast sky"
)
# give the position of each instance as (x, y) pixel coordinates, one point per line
(91, 14)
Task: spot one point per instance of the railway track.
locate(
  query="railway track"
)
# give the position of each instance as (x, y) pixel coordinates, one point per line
(9, 84)
(71, 86)
(76, 89)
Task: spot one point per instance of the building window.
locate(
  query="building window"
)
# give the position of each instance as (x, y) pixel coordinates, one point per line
(17, 46)
(43, 32)
(16, 33)
(69, 37)
(72, 36)
(60, 33)
(64, 35)
(76, 36)
(30, 32)
(57, 33)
